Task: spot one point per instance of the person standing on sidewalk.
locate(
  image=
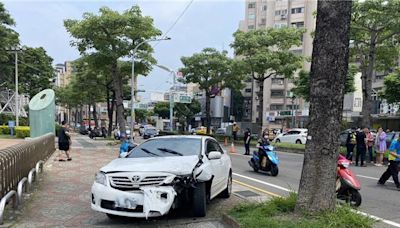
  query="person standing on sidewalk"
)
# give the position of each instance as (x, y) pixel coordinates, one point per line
(393, 168)
(361, 146)
(235, 130)
(350, 144)
(370, 145)
(64, 140)
(247, 139)
(381, 148)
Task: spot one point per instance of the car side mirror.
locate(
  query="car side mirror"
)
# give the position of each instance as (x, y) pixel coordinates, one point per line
(213, 155)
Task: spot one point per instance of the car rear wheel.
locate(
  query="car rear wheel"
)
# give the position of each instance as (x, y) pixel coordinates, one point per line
(199, 200)
(298, 141)
(228, 190)
(277, 140)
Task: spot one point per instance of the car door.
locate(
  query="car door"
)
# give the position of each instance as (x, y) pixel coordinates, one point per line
(286, 137)
(216, 166)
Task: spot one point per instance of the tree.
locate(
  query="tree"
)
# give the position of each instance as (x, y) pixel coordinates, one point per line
(162, 109)
(114, 35)
(302, 83)
(238, 104)
(8, 38)
(391, 90)
(267, 54)
(375, 31)
(185, 112)
(212, 69)
(327, 79)
(141, 115)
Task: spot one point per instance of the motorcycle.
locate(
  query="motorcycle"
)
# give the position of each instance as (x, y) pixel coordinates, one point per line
(98, 133)
(270, 158)
(347, 185)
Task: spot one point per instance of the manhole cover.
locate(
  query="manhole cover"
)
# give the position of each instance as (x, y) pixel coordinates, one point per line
(247, 193)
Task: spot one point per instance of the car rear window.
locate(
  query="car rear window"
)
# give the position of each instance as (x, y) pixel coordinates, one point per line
(166, 147)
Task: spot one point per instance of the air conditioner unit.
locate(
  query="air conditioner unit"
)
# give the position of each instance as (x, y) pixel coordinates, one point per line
(283, 16)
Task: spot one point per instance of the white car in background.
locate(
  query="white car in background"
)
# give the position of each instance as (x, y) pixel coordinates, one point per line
(161, 174)
(295, 135)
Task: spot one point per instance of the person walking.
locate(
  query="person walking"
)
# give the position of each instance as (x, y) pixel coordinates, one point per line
(393, 168)
(381, 148)
(247, 139)
(370, 145)
(350, 144)
(64, 141)
(361, 146)
(235, 130)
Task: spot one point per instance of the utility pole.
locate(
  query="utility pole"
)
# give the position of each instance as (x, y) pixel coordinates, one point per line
(171, 102)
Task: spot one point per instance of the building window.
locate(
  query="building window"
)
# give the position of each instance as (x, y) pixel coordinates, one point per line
(284, 12)
(277, 12)
(277, 93)
(277, 81)
(263, 21)
(252, 5)
(298, 24)
(264, 7)
(250, 27)
(357, 102)
(298, 10)
(276, 107)
(252, 16)
(280, 25)
(247, 90)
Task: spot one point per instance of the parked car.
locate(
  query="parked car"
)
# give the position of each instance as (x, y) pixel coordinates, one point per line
(296, 135)
(142, 128)
(117, 133)
(150, 132)
(83, 130)
(390, 136)
(343, 137)
(221, 131)
(161, 174)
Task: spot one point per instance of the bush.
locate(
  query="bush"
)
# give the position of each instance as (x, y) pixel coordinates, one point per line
(22, 132)
(23, 121)
(58, 127)
(4, 130)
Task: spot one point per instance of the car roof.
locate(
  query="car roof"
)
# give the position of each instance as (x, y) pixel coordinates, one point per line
(183, 137)
(298, 129)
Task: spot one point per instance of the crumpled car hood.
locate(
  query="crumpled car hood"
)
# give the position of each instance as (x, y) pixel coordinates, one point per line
(178, 165)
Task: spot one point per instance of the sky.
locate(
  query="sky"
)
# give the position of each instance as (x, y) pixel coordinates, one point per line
(206, 23)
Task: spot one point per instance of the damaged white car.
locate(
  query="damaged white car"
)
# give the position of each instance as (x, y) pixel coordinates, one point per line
(162, 174)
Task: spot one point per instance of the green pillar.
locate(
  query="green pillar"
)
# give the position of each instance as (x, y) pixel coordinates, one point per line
(42, 113)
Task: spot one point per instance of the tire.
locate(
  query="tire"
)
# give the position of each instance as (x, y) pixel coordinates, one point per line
(354, 198)
(274, 170)
(199, 200)
(277, 141)
(298, 141)
(113, 217)
(228, 190)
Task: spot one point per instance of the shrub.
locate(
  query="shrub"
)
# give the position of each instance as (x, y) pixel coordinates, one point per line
(22, 132)
(4, 130)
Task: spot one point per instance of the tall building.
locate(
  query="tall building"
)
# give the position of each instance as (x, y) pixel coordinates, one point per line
(64, 74)
(278, 105)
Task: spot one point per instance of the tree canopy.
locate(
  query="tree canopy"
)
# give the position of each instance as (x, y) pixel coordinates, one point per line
(391, 90)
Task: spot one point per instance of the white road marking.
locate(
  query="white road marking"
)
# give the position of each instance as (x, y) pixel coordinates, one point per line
(372, 178)
(392, 223)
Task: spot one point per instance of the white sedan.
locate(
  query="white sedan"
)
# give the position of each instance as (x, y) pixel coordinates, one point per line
(161, 174)
(296, 135)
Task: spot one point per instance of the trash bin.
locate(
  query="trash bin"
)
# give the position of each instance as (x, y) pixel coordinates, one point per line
(42, 113)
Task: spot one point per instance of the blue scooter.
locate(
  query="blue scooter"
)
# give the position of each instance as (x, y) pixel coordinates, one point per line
(272, 160)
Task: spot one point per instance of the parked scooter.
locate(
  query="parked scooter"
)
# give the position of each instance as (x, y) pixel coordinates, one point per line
(269, 162)
(98, 133)
(347, 185)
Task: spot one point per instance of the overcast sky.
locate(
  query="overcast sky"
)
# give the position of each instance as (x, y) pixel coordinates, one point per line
(206, 23)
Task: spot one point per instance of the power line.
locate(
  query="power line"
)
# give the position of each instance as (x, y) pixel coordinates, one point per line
(176, 21)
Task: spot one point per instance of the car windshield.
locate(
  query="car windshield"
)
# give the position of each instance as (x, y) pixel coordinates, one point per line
(166, 147)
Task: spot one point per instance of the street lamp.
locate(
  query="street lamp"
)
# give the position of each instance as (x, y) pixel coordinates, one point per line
(15, 50)
(134, 81)
(171, 101)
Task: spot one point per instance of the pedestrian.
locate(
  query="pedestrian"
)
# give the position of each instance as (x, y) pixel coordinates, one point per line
(370, 145)
(247, 139)
(381, 148)
(393, 168)
(351, 143)
(64, 141)
(124, 148)
(361, 146)
(235, 130)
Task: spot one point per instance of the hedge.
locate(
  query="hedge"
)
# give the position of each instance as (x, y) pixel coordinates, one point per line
(22, 132)
(4, 130)
(23, 121)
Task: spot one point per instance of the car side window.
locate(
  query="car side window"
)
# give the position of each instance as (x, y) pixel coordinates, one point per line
(212, 146)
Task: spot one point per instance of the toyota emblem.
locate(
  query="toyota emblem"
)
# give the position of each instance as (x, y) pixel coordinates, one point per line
(136, 179)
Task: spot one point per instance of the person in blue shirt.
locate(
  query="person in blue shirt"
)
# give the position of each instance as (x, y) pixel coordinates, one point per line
(124, 148)
(394, 161)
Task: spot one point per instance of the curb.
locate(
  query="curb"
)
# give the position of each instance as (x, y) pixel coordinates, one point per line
(230, 221)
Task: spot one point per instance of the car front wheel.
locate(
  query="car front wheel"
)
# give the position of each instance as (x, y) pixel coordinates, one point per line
(199, 200)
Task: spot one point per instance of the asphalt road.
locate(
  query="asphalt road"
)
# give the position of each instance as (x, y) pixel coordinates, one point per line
(380, 201)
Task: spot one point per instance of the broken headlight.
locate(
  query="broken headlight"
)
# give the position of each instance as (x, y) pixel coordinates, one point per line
(101, 178)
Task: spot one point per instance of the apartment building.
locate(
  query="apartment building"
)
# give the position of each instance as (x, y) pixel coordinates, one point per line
(278, 102)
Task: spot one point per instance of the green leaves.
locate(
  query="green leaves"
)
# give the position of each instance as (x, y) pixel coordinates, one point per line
(391, 91)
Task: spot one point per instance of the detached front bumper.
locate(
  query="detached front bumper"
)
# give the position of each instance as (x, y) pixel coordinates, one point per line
(152, 201)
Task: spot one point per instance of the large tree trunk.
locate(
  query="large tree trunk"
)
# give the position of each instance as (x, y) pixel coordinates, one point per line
(110, 110)
(367, 83)
(260, 95)
(117, 83)
(327, 79)
(95, 115)
(89, 117)
(208, 113)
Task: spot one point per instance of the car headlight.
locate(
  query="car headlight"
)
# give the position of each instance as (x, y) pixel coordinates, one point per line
(169, 179)
(101, 178)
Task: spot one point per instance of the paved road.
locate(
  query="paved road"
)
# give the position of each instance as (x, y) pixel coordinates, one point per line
(381, 201)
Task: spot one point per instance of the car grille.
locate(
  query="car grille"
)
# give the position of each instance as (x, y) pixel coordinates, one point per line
(127, 183)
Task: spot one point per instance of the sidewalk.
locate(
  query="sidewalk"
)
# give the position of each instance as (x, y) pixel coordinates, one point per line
(62, 198)
(9, 142)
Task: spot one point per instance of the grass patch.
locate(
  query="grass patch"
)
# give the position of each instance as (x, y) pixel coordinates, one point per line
(7, 137)
(279, 212)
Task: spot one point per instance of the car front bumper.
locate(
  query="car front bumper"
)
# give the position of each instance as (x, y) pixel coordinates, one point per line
(142, 203)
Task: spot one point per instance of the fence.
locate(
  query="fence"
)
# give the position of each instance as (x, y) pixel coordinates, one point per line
(17, 161)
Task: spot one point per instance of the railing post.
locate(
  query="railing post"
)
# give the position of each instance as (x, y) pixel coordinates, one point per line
(20, 189)
(3, 202)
